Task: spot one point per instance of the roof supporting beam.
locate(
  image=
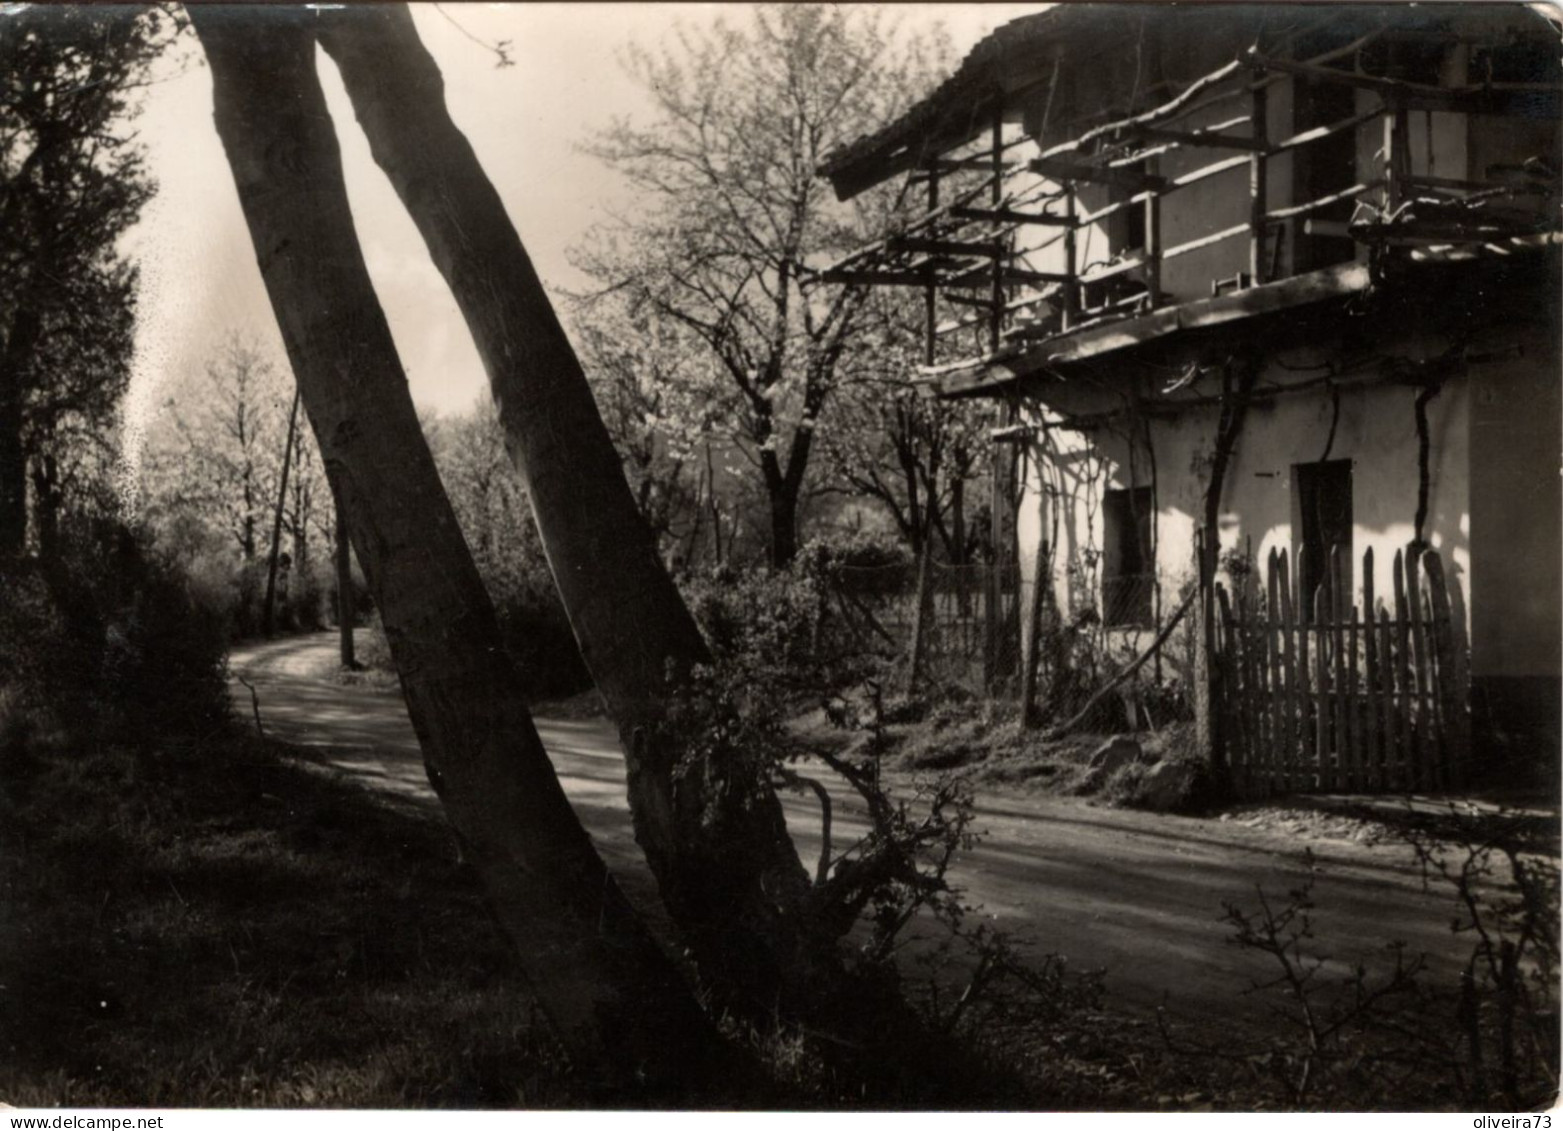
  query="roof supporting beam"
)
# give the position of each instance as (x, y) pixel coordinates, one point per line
(1197, 138)
(1071, 171)
(925, 245)
(1010, 216)
(1539, 100)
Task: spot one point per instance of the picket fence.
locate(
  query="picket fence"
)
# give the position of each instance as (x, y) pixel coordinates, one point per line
(1349, 698)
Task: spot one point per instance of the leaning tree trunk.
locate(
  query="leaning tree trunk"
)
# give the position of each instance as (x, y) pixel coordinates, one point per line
(711, 825)
(618, 1003)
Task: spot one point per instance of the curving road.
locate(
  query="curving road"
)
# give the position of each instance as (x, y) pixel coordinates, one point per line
(1140, 894)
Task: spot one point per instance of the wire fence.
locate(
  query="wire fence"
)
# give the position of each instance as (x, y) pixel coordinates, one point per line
(972, 629)
(974, 638)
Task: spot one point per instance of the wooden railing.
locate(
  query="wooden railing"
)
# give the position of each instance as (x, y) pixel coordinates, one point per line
(1319, 694)
(968, 248)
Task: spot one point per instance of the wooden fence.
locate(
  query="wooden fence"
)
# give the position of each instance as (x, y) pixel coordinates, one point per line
(1366, 699)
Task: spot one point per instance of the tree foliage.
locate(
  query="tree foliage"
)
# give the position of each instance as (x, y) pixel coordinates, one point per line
(493, 512)
(910, 455)
(212, 473)
(732, 223)
(72, 180)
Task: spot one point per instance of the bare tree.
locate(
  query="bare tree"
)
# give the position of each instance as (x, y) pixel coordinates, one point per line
(885, 442)
(618, 1004)
(217, 447)
(730, 217)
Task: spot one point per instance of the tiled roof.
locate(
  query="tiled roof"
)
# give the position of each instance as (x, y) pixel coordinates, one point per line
(972, 82)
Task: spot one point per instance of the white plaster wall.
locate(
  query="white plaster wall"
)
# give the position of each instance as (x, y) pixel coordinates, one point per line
(1376, 431)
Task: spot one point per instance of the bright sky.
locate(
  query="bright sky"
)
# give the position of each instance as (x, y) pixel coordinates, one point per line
(199, 278)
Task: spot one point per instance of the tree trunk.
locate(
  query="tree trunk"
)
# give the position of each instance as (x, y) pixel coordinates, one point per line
(709, 823)
(620, 1007)
(784, 524)
(344, 586)
(13, 478)
(269, 621)
(47, 498)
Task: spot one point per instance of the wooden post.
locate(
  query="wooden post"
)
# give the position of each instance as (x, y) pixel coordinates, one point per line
(1280, 731)
(922, 620)
(1071, 267)
(998, 537)
(1041, 584)
(1402, 670)
(1451, 693)
(1396, 154)
(1460, 656)
(931, 292)
(1293, 711)
(1207, 699)
(1370, 680)
(1153, 243)
(1321, 681)
(1340, 600)
(1258, 186)
(1388, 721)
(268, 621)
(1230, 670)
(1426, 775)
(996, 198)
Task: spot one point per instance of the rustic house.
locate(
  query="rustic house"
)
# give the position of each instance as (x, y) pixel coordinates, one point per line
(1265, 298)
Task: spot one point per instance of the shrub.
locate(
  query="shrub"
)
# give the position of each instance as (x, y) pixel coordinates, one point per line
(110, 635)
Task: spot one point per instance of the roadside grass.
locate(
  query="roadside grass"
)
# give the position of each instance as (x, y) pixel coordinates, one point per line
(222, 925)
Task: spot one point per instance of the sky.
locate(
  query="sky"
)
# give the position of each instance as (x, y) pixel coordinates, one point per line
(526, 122)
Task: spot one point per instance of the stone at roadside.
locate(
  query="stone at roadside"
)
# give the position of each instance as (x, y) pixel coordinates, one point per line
(1116, 752)
(1166, 784)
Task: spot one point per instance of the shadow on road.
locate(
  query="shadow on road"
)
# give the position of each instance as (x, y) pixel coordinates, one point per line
(1140, 894)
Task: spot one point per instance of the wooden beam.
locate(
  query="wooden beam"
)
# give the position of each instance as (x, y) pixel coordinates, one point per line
(1335, 75)
(985, 303)
(981, 276)
(1072, 171)
(1337, 229)
(963, 164)
(1009, 216)
(1319, 133)
(976, 377)
(1023, 275)
(1323, 201)
(1013, 434)
(1258, 187)
(929, 246)
(1441, 231)
(1103, 273)
(1205, 241)
(852, 277)
(1198, 138)
(1539, 100)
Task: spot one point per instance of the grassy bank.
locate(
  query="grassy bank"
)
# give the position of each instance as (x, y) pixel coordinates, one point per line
(224, 924)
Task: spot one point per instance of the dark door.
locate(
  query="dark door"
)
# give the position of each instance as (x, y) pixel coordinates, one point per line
(1322, 494)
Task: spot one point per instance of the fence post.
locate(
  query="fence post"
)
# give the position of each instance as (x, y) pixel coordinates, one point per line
(1207, 699)
(1041, 583)
(921, 619)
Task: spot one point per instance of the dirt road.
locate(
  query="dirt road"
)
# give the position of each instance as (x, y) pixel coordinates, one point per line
(1137, 893)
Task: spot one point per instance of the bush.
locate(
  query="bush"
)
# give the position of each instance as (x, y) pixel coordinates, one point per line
(109, 634)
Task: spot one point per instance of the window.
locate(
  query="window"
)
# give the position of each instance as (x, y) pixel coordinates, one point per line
(1321, 498)
(1128, 570)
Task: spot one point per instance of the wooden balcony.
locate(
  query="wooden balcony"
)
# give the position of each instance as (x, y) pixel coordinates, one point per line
(977, 252)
